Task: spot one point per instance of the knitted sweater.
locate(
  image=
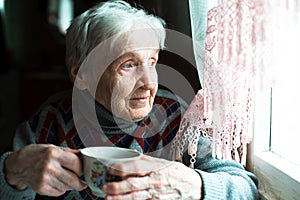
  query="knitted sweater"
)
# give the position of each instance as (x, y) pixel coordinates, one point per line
(54, 124)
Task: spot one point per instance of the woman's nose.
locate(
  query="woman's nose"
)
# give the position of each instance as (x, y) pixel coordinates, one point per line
(148, 78)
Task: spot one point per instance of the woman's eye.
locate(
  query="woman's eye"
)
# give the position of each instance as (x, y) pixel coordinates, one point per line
(152, 63)
(128, 66)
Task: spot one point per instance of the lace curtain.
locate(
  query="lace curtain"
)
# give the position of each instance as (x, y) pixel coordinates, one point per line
(229, 64)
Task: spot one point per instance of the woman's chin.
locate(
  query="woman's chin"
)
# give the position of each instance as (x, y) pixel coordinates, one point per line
(139, 114)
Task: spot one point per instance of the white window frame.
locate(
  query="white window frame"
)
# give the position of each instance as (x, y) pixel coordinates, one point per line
(277, 177)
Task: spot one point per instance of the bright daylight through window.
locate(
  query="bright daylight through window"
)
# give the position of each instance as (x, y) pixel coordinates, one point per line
(2, 6)
(276, 159)
(61, 13)
(285, 133)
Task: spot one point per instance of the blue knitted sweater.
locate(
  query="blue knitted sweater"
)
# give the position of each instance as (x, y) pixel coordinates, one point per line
(54, 124)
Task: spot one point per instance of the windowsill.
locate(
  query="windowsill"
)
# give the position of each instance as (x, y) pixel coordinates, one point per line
(280, 182)
(281, 164)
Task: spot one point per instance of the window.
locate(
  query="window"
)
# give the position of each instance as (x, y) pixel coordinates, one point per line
(275, 156)
(1, 6)
(285, 132)
(274, 159)
(60, 13)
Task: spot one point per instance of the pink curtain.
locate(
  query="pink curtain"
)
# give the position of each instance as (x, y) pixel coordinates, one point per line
(234, 35)
(223, 110)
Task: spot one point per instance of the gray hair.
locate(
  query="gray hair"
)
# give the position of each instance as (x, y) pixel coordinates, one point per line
(102, 21)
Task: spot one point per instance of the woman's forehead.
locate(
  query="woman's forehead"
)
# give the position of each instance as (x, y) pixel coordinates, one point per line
(140, 55)
(136, 40)
(143, 52)
(110, 50)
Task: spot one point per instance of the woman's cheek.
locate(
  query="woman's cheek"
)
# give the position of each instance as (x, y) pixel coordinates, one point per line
(128, 83)
(124, 87)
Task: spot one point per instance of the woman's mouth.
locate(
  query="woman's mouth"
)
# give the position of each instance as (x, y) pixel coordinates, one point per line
(139, 102)
(139, 99)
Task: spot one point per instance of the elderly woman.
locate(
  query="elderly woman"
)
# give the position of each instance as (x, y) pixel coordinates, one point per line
(112, 50)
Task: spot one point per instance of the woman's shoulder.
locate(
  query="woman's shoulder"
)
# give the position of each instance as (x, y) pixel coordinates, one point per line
(56, 105)
(56, 109)
(58, 100)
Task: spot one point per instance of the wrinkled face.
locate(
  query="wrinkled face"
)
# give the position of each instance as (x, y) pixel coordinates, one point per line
(128, 86)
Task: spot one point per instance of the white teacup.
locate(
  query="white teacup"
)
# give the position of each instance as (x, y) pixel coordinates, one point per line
(96, 163)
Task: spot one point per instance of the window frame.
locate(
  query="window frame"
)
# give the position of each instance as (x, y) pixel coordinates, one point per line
(276, 175)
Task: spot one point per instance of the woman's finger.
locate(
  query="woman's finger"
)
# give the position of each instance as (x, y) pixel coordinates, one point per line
(70, 160)
(70, 180)
(52, 191)
(127, 185)
(141, 167)
(135, 184)
(55, 188)
(166, 194)
(131, 168)
(140, 195)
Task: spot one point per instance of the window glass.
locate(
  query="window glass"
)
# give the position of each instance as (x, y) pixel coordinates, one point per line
(285, 132)
(60, 13)
(2, 6)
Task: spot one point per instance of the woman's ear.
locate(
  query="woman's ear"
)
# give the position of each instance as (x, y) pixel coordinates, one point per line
(77, 78)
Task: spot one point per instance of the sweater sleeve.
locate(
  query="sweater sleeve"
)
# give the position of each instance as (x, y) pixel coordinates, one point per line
(222, 179)
(29, 132)
(23, 136)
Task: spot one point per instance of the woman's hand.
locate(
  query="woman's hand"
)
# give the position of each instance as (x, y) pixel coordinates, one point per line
(47, 169)
(153, 178)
